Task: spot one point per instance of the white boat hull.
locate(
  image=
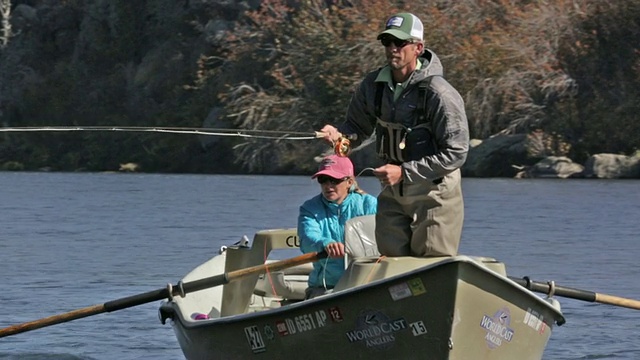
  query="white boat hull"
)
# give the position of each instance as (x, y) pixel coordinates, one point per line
(383, 308)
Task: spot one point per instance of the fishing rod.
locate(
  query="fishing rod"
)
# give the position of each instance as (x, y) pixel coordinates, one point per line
(246, 133)
(342, 147)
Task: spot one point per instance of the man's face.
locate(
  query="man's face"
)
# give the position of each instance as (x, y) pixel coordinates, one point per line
(400, 53)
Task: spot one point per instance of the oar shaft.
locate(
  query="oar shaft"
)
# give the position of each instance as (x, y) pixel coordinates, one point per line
(615, 300)
(159, 294)
(572, 293)
(110, 306)
(139, 299)
(545, 288)
(52, 320)
(276, 266)
(225, 278)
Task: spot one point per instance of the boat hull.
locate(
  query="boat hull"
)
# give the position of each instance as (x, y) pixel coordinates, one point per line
(451, 309)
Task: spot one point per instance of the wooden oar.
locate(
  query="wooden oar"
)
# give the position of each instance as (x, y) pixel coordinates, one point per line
(585, 295)
(163, 293)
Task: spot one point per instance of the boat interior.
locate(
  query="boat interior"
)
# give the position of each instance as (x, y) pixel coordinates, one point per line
(278, 288)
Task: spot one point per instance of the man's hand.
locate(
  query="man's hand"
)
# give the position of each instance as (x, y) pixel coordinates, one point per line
(335, 250)
(388, 174)
(330, 134)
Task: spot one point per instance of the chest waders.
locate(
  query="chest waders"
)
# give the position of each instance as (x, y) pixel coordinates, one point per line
(398, 142)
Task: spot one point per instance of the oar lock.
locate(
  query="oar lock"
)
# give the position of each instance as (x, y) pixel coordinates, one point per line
(552, 288)
(180, 287)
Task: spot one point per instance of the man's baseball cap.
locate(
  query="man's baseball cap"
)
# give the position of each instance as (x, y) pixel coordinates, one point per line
(404, 26)
(338, 167)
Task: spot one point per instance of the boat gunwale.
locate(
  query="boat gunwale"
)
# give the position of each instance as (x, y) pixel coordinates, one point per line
(171, 308)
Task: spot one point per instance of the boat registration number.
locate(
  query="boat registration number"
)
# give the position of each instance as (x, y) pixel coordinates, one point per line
(302, 323)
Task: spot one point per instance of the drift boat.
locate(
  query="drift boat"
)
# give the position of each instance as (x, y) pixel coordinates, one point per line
(461, 307)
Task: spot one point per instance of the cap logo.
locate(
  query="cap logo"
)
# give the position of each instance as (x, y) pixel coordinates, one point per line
(327, 162)
(395, 21)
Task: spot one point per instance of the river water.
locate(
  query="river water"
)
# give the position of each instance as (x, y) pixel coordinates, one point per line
(73, 240)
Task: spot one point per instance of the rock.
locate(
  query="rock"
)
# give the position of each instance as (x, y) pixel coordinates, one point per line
(129, 167)
(552, 167)
(474, 142)
(495, 156)
(613, 166)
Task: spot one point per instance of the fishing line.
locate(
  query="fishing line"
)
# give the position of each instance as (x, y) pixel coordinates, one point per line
(371, 169)
(365, 169)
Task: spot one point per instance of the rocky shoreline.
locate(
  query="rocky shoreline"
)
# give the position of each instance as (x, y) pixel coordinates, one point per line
(510, 156)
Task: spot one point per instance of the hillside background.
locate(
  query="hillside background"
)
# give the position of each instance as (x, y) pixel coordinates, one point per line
(565, 75)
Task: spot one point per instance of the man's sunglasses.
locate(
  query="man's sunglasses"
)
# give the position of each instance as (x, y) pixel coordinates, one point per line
(387, 41)
(323, 179)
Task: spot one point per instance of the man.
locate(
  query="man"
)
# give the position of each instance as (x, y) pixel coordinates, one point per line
(422, 135)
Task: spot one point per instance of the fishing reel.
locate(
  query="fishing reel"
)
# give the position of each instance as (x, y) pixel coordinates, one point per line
(342, 146)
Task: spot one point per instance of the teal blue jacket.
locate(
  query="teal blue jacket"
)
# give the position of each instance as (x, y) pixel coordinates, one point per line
(321, 222)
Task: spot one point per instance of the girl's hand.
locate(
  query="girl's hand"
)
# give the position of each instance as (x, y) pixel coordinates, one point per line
(335, 250)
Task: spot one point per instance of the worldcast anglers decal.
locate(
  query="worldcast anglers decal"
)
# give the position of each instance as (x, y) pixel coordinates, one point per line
(497, 327)
(376, 330)
(413, 287)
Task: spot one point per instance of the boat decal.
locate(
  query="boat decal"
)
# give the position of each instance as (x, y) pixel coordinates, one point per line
(282, 328)
(400, 291)
(497, 327)
(418, 328)
(417, 287)
(292, 241)
(376, 330)
(302, 323)
(404, 290)
(535, 321)
(268, 332)
(336, 314)
(255, 339)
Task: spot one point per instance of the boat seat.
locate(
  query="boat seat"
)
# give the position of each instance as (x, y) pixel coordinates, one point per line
(360, 237)
(289, 284)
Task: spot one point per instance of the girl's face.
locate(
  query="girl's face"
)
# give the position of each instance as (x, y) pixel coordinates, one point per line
(335, 190)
